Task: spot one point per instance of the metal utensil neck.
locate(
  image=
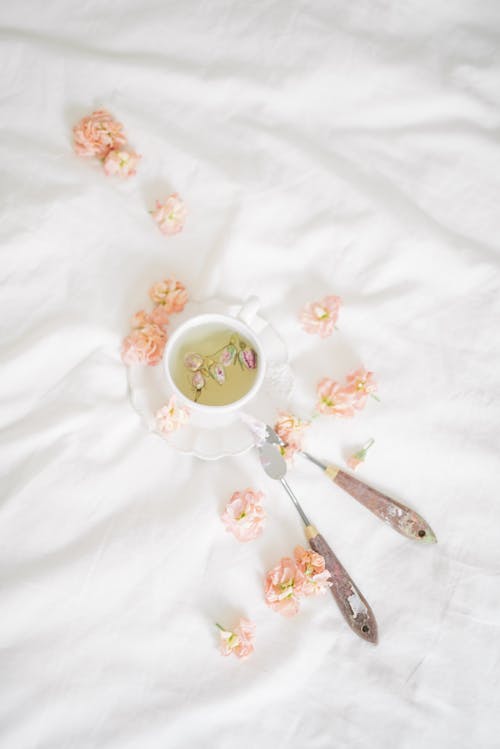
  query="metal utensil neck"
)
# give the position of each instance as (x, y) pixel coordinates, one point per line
(296, 502)
(313, 459)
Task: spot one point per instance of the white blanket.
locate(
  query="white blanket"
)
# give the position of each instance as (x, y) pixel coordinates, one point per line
(321, 147)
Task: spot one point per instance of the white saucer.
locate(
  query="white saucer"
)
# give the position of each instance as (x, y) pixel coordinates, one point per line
(148, 391)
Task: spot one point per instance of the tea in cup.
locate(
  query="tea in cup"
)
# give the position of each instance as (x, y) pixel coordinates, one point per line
(214, 363)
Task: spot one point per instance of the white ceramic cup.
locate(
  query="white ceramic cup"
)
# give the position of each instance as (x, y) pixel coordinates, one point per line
(202, 413)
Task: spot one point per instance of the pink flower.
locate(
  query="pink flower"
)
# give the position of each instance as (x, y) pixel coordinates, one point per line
(283, 587)
(239, 641)
(361, 384)
(353, 461)
(198, 381)
(228, 355)
(312, 565)
(244, 515)
(248, 358)
(170, 215)
(288, 451)
(97, 135)
(290, 429)
(320, 317)
(146, 343)
(217, 373)
(171, 417)
(140, 319)
(170, 294)
(358, 457)
(160, 316)
(193, 362)
(121, 163)
(334, 399)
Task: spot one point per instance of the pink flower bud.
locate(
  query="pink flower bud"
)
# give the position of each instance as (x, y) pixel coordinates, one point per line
(228, 355)
(193, 362)
(248, 358)
(218, 373)
(198, 381)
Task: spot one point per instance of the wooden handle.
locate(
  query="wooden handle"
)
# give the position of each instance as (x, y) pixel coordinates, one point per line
(349, 599)
(404, 520)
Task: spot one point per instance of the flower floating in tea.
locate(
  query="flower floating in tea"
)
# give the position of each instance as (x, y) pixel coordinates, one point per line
(228, 355)
(248, 357)
(198, 381)
(193, 362)
(214, 366)
(217, 373)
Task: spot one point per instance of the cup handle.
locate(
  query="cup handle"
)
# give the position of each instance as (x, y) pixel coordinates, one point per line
(248, 311)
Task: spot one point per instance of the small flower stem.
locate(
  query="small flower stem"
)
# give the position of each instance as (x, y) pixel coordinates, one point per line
(221, 628)
(375, 397)
(361, 454)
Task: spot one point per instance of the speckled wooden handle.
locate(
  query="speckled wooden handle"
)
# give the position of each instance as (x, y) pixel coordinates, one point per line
(349, 599)
(407, 522)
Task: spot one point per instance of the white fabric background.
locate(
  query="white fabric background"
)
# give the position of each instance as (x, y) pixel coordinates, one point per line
(321, 146)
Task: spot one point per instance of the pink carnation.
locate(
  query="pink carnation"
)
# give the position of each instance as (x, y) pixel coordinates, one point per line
(244, 515)
(146, 343)
(97, 135)
(239, 641)
(283, 586)
(290, 429)
(320, 317)
(316, 578)
(334, 399)
(361, 383)
(160, 316)
(170, 215)
(170, 294)
(121, 163)
(171, 417)
(140, 319)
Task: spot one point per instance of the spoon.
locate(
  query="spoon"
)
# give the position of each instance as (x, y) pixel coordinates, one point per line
(351, 602)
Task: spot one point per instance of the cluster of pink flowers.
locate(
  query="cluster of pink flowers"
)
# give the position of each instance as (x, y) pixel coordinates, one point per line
(170, 215)
(244, 515)
(320, 317)
(100, 136)
(146, 342)
(171, 416)
(238, 641)
(290, 429)
(344, 400)
(170, 295)
(291, 579)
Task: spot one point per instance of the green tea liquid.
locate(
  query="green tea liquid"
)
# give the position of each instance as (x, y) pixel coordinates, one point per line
(209, 341)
